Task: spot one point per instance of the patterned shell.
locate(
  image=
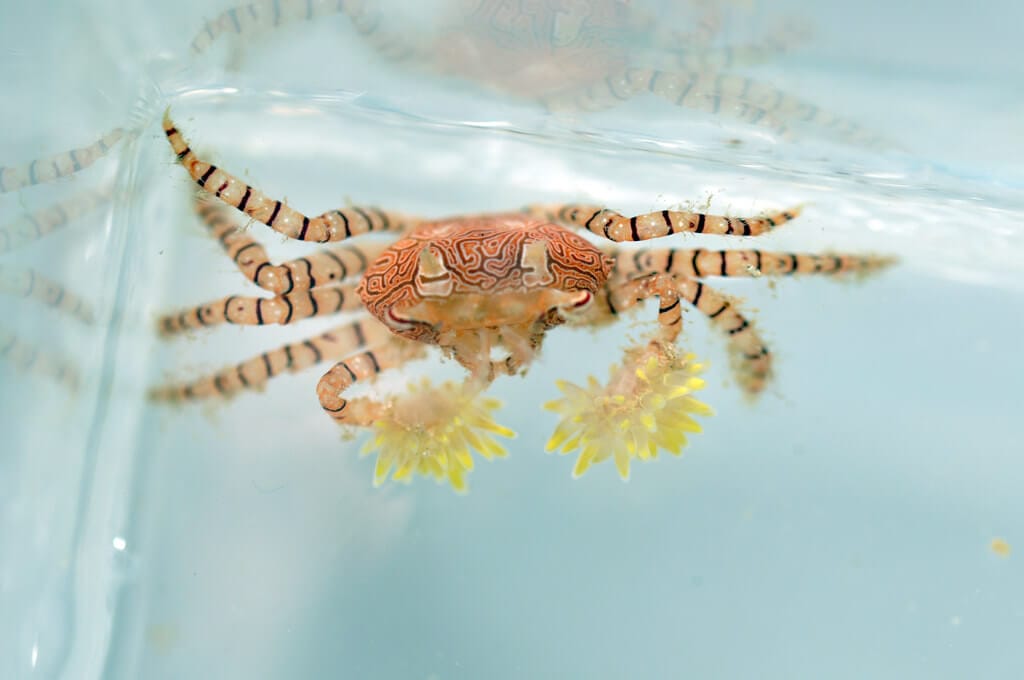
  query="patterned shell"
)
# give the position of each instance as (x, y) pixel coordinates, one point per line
(486, 256)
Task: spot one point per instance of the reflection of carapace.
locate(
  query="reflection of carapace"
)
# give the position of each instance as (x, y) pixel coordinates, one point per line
(571, 55)
(485, 289)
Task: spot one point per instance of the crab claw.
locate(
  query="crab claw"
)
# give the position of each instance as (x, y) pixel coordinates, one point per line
(433, 432)
(645, 407)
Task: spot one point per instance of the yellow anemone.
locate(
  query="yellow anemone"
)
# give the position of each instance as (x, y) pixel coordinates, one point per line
(646, 406)
(433, 431)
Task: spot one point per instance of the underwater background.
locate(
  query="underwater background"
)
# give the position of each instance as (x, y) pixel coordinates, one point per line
(862, 518)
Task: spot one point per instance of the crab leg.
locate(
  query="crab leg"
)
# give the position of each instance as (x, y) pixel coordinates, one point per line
(616, 227)
(753, 360)
(326, 267)
(701, 263)
(334, 225)
(257, 311)
(38, 224)
(254, 373)
(60, 165)
(362, 367)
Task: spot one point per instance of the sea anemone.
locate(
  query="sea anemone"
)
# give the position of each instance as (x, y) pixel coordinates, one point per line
(433, 431)
(646, 406)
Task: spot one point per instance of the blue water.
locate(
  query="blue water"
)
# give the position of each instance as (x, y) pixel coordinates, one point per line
(840, 526)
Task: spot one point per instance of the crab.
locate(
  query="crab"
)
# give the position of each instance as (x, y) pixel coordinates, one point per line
(571, 55)
(485, 289)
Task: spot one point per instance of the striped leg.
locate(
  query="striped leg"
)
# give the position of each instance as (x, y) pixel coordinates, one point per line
(327, 267)
(616, 227)
(751, 360)
(334, 225)
(624, 295)
(38, 224)
(293, 357)
(257, 311)
(699, 263)
(363, 367)
(54, 167)
(26, 283)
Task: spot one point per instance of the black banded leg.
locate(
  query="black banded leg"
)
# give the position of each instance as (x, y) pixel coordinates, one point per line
(334, 225)
(362, 367)
(325, 267)
(256, 311)
(699, 263)
(616, 227)
(254, 373)
(627, 294)
(751, 359)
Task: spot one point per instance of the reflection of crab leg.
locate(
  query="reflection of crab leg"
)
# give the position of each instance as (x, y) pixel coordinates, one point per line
(293, 357)
(261, 15)
(685, 54)
(334, 225)
(250, 18)
(28, 358)
(27, 283)
(326, 267)
(690, 90)
(616, 227)
(54, 167)
(38, 224)
(746, 99)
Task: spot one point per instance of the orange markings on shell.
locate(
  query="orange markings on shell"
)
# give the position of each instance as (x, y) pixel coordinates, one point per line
(483, 255)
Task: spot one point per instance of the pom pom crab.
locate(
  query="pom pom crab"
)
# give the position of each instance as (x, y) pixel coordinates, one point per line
(485, 289)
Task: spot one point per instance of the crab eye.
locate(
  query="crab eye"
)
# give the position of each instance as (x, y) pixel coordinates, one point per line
(576, 303)
(583, 301)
